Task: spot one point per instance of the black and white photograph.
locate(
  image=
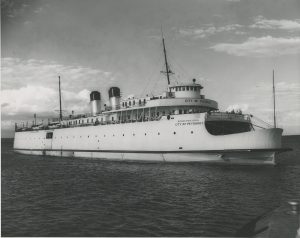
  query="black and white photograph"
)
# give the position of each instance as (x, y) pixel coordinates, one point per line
(150, 118)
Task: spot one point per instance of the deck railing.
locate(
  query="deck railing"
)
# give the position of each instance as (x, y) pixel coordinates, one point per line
(227, 116)
(19, 128)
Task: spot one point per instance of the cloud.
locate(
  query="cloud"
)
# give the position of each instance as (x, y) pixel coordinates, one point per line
(197, 33)
(31, 86)
(267, 46)
(42, 100)
(263, 23)
(17, 73)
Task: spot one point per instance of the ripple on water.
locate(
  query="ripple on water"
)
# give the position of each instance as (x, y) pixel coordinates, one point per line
(46, 196)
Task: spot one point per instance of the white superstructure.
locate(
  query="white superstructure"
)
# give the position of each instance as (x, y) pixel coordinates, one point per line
(180, 125)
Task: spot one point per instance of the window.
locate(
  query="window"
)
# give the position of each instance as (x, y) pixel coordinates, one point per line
(195, 88)
(183, 88)
(133, 102)
(176, 89)
(140, 102)
(112, 118)
(87, 121)
(129, 103)
(179, 88)
(125, 104)
(144, 100)
(92, 120)
(187, 88)
(180, 111)
(49, 135)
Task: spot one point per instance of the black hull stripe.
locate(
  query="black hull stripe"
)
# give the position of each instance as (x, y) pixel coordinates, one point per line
(279, 150)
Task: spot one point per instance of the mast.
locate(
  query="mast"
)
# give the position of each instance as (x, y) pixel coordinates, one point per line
(166, 62)
(60, 112)
(274, 111)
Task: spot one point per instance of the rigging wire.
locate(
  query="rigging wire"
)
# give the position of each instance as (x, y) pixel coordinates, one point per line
(149, 79)
(262, 121)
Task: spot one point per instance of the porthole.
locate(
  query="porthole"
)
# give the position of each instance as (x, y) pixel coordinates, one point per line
(133, 134)
(174, 132)
(145, 134)
(88, 136)
(158, 133)
(123, 134)
(192, 132)
(113, 135)
(104, 135)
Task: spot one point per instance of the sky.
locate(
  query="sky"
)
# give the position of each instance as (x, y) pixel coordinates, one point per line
(230, 46)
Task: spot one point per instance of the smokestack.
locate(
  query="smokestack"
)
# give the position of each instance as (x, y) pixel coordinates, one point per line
(114, 97)
(95, 99)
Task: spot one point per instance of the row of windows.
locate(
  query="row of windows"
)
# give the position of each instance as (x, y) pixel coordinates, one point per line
(88, 136)
(81, 121)
(186, 88)
(129, 103)
(133, 134)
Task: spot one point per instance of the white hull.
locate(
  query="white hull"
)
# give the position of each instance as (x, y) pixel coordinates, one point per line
(183, 138)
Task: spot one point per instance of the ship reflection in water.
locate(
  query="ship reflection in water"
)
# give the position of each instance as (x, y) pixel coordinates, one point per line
(49, 196)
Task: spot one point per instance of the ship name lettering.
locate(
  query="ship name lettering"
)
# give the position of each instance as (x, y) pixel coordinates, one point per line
(187, 123)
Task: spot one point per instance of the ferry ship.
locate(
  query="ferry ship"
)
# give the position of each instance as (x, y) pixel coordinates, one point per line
(180, 125)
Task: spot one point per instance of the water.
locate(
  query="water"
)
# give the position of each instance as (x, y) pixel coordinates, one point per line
(48, 196)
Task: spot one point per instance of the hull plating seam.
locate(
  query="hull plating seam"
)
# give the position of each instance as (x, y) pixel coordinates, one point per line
(279, 150)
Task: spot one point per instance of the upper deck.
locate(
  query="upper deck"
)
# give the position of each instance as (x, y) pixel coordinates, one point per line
(178, 99)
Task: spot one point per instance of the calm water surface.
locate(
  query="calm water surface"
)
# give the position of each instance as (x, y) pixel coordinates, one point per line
(48, 196)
